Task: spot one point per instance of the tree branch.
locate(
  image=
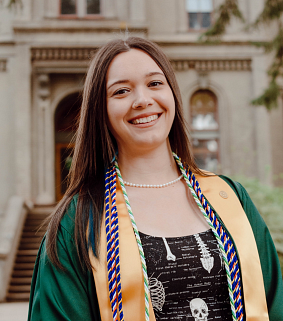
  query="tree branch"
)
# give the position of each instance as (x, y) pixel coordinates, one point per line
(272, 11)
(225, 12)
(11, 3)
(270, 96)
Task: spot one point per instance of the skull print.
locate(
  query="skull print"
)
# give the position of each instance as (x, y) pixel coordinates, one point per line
(199, 309)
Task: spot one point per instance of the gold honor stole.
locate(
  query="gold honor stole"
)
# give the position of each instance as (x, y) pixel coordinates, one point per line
(228, 207)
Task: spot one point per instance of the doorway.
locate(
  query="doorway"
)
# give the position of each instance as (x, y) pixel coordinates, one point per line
(204, 122)
(66, 118)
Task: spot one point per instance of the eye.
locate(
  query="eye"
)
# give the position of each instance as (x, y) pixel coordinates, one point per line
(120, 91)
(155, 83)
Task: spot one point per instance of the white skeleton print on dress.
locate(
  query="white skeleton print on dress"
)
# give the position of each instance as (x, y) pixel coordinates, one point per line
(170, 256)
(220, 256)
(157, 293)
(199, 309)
(207, 260)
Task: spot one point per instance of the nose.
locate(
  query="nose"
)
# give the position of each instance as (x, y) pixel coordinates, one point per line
(142, 99)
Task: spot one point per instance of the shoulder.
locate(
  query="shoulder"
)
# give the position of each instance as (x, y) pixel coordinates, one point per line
(250, 209)
(270, 266)
(238, 188)
(67, 223)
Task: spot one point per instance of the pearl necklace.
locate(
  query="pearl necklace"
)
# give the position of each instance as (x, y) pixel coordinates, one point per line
(154, 186)
(226, 246)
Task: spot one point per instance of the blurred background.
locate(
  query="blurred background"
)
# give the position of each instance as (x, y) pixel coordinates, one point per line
(227, 55)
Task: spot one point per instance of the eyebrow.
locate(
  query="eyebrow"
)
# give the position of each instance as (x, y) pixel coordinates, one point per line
(125, 81)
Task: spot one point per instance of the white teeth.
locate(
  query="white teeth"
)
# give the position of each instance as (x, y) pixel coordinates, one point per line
(145, 119)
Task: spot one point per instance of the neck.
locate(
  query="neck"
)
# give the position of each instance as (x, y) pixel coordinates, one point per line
(151, 167)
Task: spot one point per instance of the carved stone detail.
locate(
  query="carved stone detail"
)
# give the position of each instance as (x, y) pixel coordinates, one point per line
(62, 53)
(203, 79)
(45, 157)
(212, 64)
(43, 86)
(82, 54)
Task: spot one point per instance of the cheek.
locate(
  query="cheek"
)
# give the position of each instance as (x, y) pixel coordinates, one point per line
(116, 115)
(116, 109)
(172, 100)
(111, 118)
(169, 102)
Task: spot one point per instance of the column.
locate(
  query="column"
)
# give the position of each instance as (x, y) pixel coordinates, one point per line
(261, 121)
(137, 11)
(45, 143)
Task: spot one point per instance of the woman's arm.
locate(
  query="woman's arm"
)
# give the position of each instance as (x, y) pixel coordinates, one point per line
(67, 294)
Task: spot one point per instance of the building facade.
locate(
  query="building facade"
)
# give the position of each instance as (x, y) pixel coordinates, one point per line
(45, 48)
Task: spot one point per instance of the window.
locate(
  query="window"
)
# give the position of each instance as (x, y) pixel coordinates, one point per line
(79, 8)
(205, 129)
(199, 13)
(92, 6)
(68, 6)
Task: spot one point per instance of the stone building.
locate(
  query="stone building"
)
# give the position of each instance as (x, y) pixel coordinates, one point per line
(45, 48)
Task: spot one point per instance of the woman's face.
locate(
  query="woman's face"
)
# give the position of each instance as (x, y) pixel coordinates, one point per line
(140, 103)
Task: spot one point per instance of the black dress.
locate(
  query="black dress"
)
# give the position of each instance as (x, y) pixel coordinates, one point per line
(187, 278)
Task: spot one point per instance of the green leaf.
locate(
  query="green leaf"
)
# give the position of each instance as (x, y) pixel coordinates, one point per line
(267, 45)
(269, 98)
(68, 162)
(225, 12)
(276, 69)
(269, 202)
(272, 11)
(14, 2)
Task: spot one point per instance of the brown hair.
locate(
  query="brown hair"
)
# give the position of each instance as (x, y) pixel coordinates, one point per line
(95, 147)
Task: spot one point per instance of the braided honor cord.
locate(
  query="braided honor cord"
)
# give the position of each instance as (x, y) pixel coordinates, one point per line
(112, 240)
(225, 244)
(144, 269)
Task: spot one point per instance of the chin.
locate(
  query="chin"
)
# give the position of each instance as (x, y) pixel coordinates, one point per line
(150, 144)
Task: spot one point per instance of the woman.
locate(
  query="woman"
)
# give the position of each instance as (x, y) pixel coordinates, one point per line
(134, 238)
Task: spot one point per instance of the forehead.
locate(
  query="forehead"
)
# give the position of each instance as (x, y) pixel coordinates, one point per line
(131, 63)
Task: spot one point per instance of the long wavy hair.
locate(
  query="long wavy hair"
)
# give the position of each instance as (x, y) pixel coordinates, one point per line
(95, 147)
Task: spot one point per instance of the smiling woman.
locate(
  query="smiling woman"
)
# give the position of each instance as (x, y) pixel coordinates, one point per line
(134, 237)
(140, 103)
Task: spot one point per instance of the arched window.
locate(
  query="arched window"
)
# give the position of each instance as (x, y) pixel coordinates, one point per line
(199, 13)
(80, 8)
(66, 117)
(205, 129)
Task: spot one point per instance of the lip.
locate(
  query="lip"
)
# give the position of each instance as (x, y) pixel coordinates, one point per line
(143, 116)
(145, 125)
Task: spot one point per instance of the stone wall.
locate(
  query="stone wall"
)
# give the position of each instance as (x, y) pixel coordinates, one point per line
(44, 57)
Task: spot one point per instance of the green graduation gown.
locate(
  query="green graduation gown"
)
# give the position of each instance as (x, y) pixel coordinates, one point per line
(70, 294)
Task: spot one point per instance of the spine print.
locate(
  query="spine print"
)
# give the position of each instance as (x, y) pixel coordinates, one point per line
(206, 259)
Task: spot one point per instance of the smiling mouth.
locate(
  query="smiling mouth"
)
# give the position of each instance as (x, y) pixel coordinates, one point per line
(145, 120)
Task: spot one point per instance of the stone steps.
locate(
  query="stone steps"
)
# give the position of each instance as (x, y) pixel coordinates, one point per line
(20, 282)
